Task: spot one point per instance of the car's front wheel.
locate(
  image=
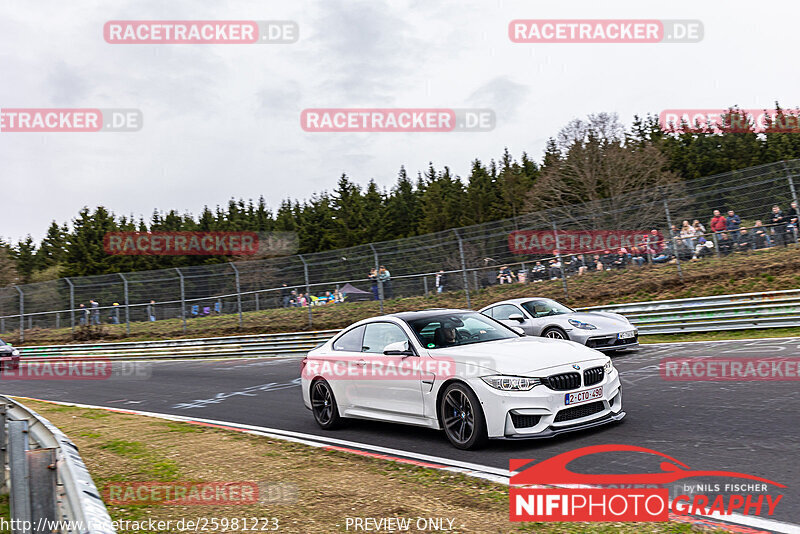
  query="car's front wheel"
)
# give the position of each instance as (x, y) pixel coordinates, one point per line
(323, 405)
(554, 333)
(462, 417)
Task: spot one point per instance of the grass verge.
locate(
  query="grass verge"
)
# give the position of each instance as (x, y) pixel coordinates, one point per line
(763, 270)
(331, 485)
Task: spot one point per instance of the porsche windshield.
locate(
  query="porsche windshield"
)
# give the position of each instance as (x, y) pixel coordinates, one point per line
(545, 308)
(453, 329)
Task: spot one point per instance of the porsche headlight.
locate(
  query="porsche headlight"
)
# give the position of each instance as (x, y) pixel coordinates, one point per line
(15, 352)
(511, 383)
(608, 367)
(582, 325)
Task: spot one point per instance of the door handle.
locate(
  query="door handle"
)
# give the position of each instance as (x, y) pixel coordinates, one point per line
(361, 363)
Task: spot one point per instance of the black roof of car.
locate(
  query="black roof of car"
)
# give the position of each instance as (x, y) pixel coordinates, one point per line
(422, 314)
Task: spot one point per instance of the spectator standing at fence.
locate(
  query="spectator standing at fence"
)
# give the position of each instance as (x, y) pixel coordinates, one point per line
(792, 217)
(83, 314)
(373, 278)
(506, 275)
(386, 278)
(725, 244)
(441, 281)
(554, 269)
(285, 295)
(151, 311)
(778, 222)
(699, 229)
(718, 222)
(115, 313)
(95, 311)
(688, 234)
(597, 263)
(733, 223)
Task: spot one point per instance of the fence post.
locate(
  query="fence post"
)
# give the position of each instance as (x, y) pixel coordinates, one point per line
(238, 292)
(183, 298)
(425, 284)
(377, 276)
(673, 239)
(42, 473)
(560, 262)
(18, 466)
(71, 305)
(3, 450)
(21, 315)
(127, 306)
(308, 291)
(463, 267)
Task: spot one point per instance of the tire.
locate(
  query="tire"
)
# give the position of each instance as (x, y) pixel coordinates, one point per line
(555, 332)
(462, 417)
(323, 405)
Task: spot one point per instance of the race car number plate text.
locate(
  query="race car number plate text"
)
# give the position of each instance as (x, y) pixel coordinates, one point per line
(583, 396)
(626, 335)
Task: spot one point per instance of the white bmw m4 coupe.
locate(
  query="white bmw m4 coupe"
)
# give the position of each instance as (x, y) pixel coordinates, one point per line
(462, 372)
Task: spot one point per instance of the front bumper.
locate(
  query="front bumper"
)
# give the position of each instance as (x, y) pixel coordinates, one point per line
(550, 432)
(604, 341)
(542, 412)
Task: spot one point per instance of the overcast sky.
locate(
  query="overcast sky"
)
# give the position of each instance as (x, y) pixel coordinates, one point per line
(222, 121)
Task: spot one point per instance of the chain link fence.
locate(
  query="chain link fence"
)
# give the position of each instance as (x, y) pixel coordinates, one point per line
(645, 226)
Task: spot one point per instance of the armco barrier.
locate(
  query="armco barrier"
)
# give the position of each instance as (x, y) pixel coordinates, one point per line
(50, 488)
(771, 309)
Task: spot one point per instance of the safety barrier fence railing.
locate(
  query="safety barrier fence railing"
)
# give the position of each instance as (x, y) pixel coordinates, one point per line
(50, 487)
(771, 309)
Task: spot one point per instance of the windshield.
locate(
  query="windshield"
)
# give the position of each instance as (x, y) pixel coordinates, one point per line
(453, 329)
(545, 308)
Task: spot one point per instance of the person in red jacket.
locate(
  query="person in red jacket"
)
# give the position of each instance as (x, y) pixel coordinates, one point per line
(718, 222)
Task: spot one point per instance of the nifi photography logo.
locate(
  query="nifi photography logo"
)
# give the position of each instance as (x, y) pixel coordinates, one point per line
(638, 497)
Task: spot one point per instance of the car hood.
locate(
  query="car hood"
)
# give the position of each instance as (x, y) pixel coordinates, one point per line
(525, 356)
(602, 320)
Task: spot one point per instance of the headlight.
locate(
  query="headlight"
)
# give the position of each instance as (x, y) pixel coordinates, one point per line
(582, 325)
(608, 367)
(511, 383)
(15, 352)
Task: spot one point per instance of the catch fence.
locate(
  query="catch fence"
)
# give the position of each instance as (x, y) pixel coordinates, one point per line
(557, 243)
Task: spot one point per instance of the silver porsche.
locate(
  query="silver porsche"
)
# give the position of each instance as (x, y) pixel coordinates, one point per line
(547, 318)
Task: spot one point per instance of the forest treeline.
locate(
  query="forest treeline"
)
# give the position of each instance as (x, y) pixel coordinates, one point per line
(589, 159)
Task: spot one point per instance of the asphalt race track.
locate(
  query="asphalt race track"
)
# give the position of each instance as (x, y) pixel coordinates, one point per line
(751, 427)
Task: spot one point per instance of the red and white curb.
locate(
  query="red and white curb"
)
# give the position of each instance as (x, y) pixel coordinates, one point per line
(737, 523)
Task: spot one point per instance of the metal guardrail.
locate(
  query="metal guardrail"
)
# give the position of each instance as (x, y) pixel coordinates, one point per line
(214, 347)
(50, 488)
(768, 309)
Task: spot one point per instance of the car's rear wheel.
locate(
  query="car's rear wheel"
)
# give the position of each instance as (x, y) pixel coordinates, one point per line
(462, 417)
(323, 405)
(554, 333)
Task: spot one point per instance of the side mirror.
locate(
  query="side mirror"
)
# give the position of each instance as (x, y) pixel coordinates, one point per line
(516, 317)
(518, 330)
(399, 348)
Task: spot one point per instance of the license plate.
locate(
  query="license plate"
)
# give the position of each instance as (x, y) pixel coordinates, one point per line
(583, 396)
(626, 335)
